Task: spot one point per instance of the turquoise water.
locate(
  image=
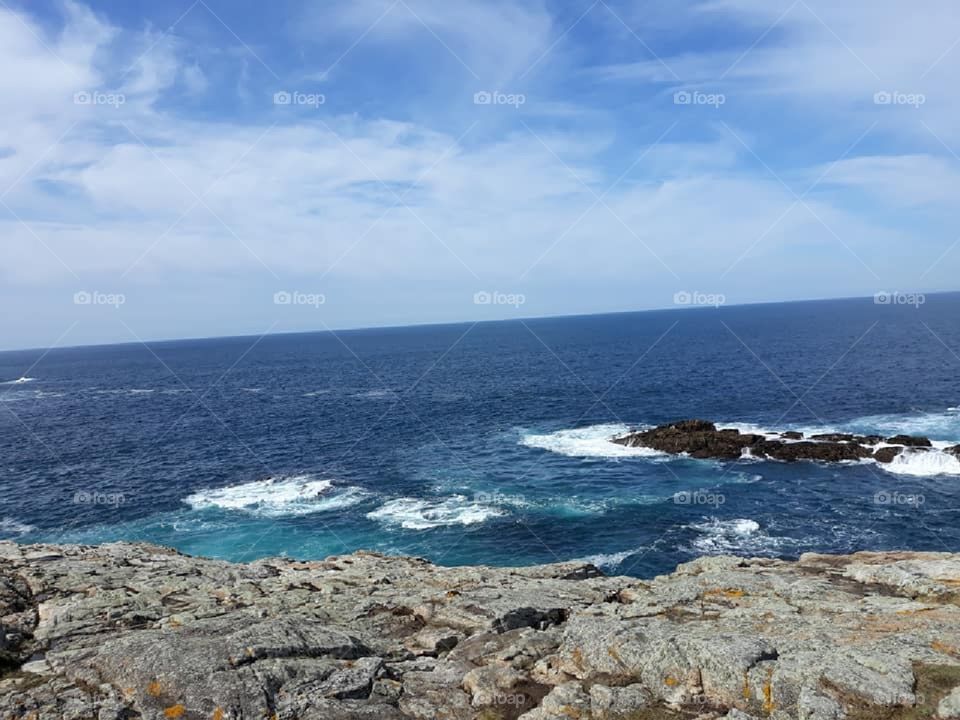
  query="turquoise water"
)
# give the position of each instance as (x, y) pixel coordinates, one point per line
(489, 443)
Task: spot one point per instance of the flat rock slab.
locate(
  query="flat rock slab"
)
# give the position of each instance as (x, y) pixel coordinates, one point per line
(122, 631)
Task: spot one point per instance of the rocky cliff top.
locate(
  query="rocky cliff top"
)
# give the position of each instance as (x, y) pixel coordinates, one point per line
(135, 631)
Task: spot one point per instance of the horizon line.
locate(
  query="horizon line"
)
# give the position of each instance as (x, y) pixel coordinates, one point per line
(364, 328)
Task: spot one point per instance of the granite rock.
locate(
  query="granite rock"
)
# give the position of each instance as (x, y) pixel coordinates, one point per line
(123, 631)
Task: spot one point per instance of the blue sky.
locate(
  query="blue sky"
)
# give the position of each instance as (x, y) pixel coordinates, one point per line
(552, 157)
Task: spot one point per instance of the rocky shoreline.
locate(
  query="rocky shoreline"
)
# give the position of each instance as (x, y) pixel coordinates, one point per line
(702, 439)
(123, 631)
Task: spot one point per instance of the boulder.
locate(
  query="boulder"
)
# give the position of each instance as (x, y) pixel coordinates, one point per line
(887, 454)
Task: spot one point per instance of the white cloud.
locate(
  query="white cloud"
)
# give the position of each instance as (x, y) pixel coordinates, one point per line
(315, 195)
(902, 180)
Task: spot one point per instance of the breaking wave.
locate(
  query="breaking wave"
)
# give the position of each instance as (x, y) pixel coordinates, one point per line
(610, 561)
(718, 537)
(14, 528)
(592, 441)
(277, 497)
(923, 463)
(414, 514)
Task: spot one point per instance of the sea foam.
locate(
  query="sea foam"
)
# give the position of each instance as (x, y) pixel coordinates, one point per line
(731, 536)
(592, 441)
(14, 528)
(923, 463)
(278, 496)
(416, 514)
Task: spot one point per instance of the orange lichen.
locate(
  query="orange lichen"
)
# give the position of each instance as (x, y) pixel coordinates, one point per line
(154, 689)
(174, 711)
(217, 714)
(909, 613)
(671, 681)
(944, 648)
(768, 705)
(731, 593)
(746, 687)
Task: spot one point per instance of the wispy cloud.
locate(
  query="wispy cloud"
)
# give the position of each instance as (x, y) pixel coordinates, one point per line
(465, 141)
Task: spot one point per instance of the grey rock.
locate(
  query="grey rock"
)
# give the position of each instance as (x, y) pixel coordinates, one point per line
(124, 631)
(815, 706)
(949, 707)
(607, 703)
(564, 702)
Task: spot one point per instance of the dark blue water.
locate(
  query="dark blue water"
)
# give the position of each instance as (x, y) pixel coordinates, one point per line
(488, 443)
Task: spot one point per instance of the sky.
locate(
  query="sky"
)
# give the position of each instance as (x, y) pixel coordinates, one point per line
(227, 167)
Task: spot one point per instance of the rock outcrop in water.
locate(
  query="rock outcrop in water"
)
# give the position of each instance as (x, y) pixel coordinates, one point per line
(134, 631)
(702, 439)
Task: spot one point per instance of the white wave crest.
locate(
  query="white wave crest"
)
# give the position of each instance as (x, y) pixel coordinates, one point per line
(592, 441)
(609, 561)
(732, 536)
(19, 381)
(923, 463)
(10, 527)
(276, 497)
(414, 514)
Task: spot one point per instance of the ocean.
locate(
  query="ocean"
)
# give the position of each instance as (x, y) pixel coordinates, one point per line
(489, 443)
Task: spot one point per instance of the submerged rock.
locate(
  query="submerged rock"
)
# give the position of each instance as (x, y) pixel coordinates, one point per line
(702, 439)
(125, 631)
